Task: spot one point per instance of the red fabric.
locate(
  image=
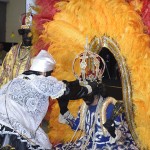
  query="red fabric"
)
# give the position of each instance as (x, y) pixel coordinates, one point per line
(46, 12)
(23, 17)
(40, 44)
(146, 14)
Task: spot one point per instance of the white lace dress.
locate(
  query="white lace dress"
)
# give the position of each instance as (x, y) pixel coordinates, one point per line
(23, 104)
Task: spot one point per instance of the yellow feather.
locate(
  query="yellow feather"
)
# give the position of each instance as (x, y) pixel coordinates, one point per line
(80, 18)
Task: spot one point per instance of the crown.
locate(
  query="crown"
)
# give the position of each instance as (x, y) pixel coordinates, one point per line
(26, 19)
(90, 66)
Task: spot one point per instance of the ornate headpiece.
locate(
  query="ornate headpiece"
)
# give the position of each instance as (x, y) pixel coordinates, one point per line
(91, 65)
(26, 19)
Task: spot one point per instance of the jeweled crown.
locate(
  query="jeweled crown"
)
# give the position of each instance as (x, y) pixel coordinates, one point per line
(91, 65)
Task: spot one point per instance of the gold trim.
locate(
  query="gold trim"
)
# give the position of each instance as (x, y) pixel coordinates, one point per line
(112, 45)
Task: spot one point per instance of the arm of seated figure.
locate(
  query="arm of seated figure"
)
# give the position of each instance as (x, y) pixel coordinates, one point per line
(113, 119)
(121, 129)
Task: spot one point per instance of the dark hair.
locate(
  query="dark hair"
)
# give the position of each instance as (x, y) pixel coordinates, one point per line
(29, 72)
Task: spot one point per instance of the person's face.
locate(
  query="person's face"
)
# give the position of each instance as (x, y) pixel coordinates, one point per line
(89, 99)
(27, 37)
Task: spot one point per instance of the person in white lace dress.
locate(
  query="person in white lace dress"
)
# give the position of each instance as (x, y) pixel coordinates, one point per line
(24, 102)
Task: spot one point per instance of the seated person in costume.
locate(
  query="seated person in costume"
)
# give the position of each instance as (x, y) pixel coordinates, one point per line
(17, 59)
(100, 120)
(25, 100)
(98, 134)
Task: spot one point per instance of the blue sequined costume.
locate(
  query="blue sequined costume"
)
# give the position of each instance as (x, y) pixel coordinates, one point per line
(94, 138)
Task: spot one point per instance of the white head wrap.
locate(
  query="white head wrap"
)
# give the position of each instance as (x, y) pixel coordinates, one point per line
(43, 62)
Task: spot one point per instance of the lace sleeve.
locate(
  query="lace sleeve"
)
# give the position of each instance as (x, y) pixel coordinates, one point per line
(49, 86)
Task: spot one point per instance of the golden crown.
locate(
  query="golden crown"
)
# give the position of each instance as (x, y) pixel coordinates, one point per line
(90, 66)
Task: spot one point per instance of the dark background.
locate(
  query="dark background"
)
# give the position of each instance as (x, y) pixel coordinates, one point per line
(7, 45)
(111, 77)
